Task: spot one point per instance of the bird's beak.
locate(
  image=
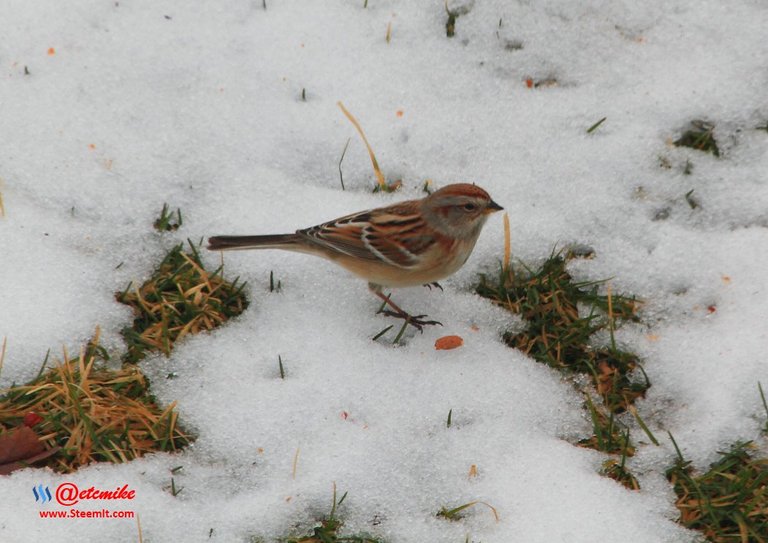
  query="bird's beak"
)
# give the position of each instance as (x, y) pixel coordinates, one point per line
(493, 207)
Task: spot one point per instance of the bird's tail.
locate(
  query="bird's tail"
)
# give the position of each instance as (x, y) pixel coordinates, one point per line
(290, 242)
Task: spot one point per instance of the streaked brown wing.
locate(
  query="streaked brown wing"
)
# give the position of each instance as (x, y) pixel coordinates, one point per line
(395, 234)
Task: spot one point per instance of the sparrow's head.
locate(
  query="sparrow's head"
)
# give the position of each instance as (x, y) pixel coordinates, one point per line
(459, 210)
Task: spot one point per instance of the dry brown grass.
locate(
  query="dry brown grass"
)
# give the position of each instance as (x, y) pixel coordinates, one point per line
(92, 413)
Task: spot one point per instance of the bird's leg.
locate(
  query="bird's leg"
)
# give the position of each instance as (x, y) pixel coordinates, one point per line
(417, 321)
(434, 284)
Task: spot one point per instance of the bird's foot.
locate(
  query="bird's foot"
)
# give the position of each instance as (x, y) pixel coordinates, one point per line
(434, 284)
(417, 321)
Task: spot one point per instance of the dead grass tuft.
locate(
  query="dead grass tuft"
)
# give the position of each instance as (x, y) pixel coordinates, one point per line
(92, 413)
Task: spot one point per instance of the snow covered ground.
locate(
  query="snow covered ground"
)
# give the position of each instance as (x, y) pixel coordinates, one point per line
(128, 104)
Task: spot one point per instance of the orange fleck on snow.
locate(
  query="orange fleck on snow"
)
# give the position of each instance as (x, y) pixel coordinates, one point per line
(51, 51)
(399, 113)
(448, 342)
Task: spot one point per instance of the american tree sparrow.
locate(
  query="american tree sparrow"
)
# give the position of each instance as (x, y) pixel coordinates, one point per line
(416, 242)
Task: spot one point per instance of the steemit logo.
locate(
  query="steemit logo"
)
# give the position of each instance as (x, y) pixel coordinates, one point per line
(42, 493)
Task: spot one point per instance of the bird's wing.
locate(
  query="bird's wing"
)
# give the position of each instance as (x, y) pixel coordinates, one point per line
(397, 235)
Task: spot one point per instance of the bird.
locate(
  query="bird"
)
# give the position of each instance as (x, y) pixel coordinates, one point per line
(410, 243)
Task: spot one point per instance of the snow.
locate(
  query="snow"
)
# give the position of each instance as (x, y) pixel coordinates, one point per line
(199, 105)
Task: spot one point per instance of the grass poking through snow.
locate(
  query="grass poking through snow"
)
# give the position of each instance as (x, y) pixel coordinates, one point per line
(609, 435)
(168, 221)
(562, 317)
(699, 135)
(596, 125)
(728, 503)
(92, 413)
(326, 530)
(381, 183)
(180, 298)
(453, 15)
(457, 513)
(617, 469)
(762, 398)
(86, 412)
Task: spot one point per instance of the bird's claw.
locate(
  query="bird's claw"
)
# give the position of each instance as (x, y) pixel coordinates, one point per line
(417, 321)
(434, 284)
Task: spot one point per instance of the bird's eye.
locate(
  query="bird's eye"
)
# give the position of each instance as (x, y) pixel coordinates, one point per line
(469, 207)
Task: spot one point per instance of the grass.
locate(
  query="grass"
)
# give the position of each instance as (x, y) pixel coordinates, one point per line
(93, 413)
(326, 529)
(400, 333)
(274, 286)
(643, 426)
(453, 14)
(88, 412)
(563, 316)
(728, 503)
(618, 471)
(596, 125)
(173, 489)
(166, 221)
(180, 298)
(699, 135)
(457, 513)
(609, 435)
(398, 336)
(381, 183)
(343, 153)
(450, 24)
